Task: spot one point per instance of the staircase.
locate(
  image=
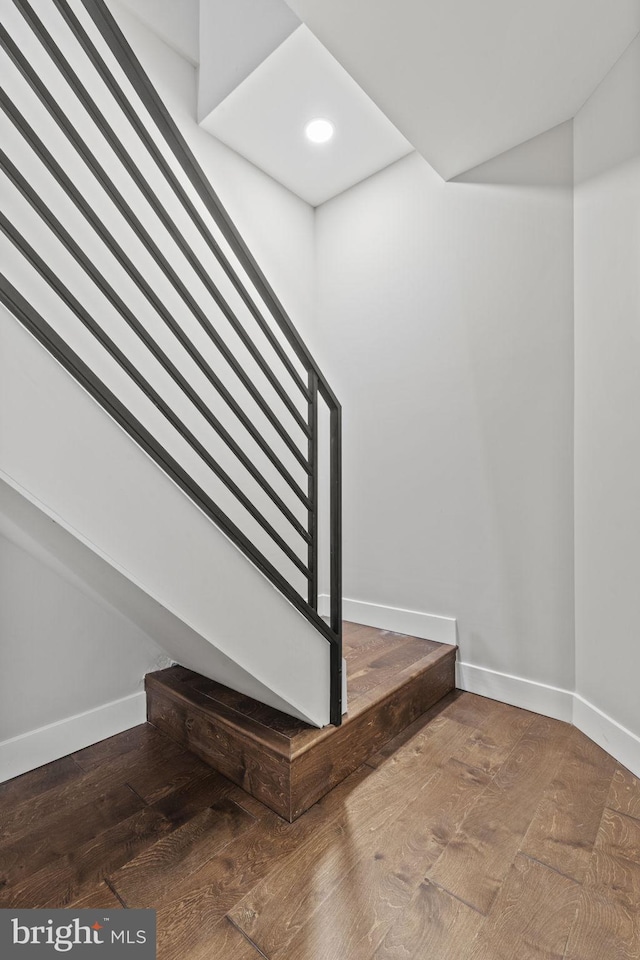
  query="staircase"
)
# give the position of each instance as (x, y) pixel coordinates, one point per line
(173, 424)
(122, 263)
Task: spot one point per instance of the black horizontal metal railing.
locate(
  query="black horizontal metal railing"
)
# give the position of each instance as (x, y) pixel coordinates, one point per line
(303, 443)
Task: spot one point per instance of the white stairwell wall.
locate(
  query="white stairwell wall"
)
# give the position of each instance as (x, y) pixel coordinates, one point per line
(123, 528)
(447, 309)
(72, 664)
(447, 312)
(607, 400)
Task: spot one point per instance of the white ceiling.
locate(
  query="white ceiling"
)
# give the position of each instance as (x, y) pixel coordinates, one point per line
(174, 21)
(235, 37)
(465, 80)
(264, 118)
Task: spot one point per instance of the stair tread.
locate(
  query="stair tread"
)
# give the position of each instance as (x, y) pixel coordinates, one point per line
(387, 648)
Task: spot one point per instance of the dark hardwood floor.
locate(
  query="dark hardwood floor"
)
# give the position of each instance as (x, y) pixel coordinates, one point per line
(483, 832)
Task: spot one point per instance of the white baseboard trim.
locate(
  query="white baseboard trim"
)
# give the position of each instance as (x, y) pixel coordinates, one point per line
(428, 626)
(554, 702)
(528, 694)
(37, 747)
(617, 740)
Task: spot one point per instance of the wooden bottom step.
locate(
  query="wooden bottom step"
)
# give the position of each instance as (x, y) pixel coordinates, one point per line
(391, 678)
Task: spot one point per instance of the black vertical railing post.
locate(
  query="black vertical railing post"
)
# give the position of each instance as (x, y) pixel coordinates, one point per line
(335, 511)
(312, 561)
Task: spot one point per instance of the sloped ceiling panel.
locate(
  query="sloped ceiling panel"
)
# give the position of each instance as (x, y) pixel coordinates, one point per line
(464, 81)
(264, 118)
(174, 21)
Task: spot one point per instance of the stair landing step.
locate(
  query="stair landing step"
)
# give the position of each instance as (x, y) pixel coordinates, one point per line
(288, 765)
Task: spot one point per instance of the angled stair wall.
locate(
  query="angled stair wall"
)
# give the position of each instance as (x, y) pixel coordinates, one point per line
(121, 261)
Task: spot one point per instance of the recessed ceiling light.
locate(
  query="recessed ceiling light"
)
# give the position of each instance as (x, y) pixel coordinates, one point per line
(319, 130)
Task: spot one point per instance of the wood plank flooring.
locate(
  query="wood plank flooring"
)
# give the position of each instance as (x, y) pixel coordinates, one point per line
(482, 833)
